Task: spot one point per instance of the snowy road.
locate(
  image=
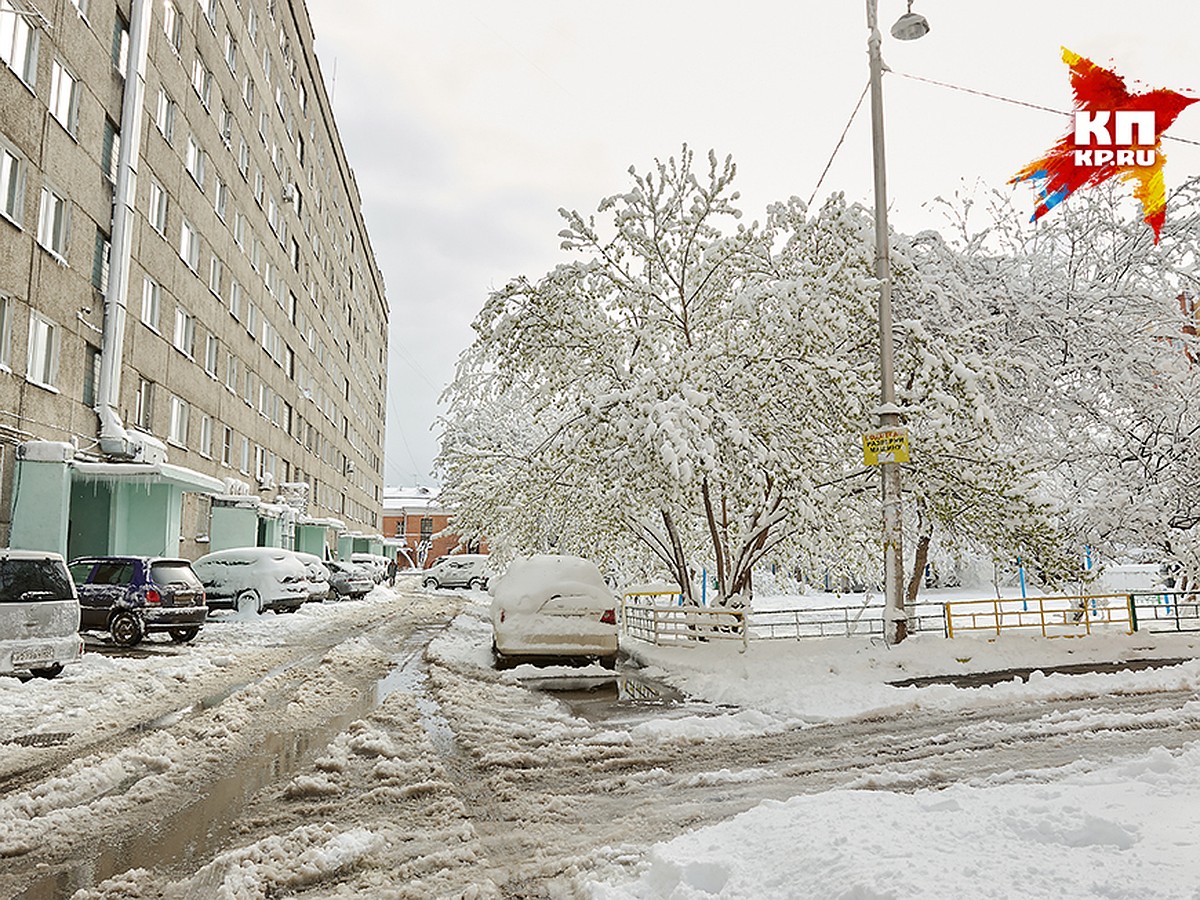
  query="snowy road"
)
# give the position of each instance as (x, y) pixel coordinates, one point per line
(367, 750)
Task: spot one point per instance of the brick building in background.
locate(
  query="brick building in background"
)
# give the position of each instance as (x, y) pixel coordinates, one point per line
(413, 522)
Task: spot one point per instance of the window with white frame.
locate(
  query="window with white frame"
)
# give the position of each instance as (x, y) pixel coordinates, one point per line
(251, 318)
(42, 364)
(248, 91)
(231, 52)
(245, 460)
(181, 411)
(202, 81)
(157, 213)
(18, 42)
(110, 150)
(172, 24)
(216, 276)
(143, 415)
(53, 223)
(209, 8)
(194, 160)
(239, 229)
(252, 25)
(6, 314)
(100, 260)
(120, 45)
(220, 198)
(232, 372)
(243, 157)
(206, 435)
(12, 183)
(189, 245)
(235, 299)
(151, 301)
(212, 352)
(227, 447)
(64, 96)
(164, 114)
(184, 336)
(225, 124)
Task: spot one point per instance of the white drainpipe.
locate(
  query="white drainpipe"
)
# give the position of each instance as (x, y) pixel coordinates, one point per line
(114, 440)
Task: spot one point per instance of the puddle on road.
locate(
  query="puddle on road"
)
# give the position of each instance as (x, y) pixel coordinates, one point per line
(601, 698)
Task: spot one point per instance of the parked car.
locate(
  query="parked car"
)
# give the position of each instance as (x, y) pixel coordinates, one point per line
(257, 578)
(375, 565)
(318, 576)
(553, 607)
(467, 570)
(349, 580)
(39, 614)
(132, 596)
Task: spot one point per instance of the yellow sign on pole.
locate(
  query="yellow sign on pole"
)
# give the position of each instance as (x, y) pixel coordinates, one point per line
(889, 445)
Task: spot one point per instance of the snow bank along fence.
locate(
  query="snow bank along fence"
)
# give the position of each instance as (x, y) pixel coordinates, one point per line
(1076, 616)
(660, 618)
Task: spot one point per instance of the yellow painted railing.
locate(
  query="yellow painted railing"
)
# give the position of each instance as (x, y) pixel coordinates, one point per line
(1051, 616)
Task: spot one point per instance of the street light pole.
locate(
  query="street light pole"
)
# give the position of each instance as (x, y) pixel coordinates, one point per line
(895, 616)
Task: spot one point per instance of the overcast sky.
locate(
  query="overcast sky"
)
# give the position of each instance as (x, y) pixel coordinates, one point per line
(470, 122)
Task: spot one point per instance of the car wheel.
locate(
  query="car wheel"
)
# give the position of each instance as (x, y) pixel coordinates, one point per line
(125, 629)
(431, 584)
(183, 635)
(248, 601)
(499, 660)
(476, 584)
(48, 672)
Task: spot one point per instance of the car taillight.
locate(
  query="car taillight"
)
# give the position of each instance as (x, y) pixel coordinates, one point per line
(609, 617)
(502, 615)
(152, 596)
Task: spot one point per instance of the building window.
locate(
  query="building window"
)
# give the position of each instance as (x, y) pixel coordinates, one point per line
(189, 245)
(248, 92)
(157, 213)
(43, 351)
(12, 182)
(231, 372)
(18, 42)
(235, 299)
(216, 276)
(120, 45)
(245, 461)
(151, 301)
(212, 351)
(91, 375)
(202, 81)
(6, 308)
(206, 435)
(110, 150)
(184, 337)
(209, 8)
(53, 223)
(172, 24)
(227, 447)
(243, 157)
(143, 416)
(180, 413)
(221, 198)
(64, 96)
(426, 528)
(164, 114)
(194, 160)
(239, 229)
(100, 257)
(230, 52)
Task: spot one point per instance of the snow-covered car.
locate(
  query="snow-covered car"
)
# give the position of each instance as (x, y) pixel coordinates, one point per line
(317, 570)
(39, 614)
(349, 580)
(553, 607)
(255, 578)
(370, 562)
(467, 570)
(132, 596)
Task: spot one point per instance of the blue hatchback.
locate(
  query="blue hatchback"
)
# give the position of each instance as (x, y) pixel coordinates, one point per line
(132, 596)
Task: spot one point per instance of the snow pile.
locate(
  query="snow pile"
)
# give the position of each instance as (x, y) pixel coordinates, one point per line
(1123, 831)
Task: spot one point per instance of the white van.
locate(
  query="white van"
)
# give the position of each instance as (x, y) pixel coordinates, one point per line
(39, 614)
(467, 570)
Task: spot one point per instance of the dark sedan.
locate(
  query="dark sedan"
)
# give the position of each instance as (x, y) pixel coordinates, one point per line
(132, 596)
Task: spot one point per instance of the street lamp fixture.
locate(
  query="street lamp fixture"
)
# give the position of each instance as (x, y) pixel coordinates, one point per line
(909, 27)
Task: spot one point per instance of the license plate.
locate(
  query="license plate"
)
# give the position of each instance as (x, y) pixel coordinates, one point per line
(27, 655)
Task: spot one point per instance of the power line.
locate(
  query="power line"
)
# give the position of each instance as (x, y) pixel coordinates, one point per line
(1014, 101)
(841, 139)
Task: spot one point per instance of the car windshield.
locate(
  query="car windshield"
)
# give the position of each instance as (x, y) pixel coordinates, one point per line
(34, 579)
(174, 573)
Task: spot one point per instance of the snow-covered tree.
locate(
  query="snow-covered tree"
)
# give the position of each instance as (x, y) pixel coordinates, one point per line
(699, 387)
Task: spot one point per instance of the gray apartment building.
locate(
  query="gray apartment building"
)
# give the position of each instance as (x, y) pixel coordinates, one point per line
(193, 327)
